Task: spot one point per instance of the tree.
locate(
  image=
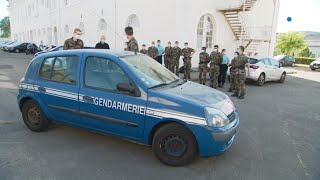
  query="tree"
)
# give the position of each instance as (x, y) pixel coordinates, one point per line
(290, 43)
(5, 27)
(305, 52)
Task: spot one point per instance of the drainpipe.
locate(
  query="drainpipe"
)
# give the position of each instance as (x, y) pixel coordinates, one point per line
(272, 31)
(243, 10)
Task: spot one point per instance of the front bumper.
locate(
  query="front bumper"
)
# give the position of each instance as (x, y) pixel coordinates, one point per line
(214, 141)
(314, 66)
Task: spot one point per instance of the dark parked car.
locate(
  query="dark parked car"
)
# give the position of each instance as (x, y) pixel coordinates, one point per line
(285, 60)
(58, 48)
(17, 47)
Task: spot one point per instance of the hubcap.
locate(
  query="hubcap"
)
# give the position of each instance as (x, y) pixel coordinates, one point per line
(262, 80)
(34, 116)
(174, 146)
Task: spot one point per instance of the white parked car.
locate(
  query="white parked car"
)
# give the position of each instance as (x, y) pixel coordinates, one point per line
(315, 64)
(263, 69)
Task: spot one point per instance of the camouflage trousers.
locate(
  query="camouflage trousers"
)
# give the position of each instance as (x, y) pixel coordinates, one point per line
(174, 66)
(167, 62)
(240, 87)
(187, 69)
(214, 75)
(232, 79)
(203, 73)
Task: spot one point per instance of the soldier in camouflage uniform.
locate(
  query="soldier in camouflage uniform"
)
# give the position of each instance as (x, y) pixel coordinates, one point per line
(204, 59)
(232, 72)
(176, 54)
(168, 56)
(187, 53)
(133, 43)
(153, 51)
(216, 59)
(143, 50)
(240, 74)
(75, 42)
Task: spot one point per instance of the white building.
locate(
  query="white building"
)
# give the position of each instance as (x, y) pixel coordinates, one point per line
(229, 23)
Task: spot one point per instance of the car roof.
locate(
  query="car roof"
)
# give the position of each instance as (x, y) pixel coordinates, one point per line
(101, 52)
(259, 57)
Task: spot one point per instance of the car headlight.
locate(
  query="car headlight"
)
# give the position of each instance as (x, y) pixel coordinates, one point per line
(216, 118)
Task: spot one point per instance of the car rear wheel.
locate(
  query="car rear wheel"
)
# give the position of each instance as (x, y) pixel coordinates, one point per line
(34, 117)
(283, 78)
(261, 79)
(174, 145)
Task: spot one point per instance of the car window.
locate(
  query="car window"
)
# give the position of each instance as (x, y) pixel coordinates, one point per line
(253, 61)
(103, 74)
(60, 69)
(266, 61)
(273, 62)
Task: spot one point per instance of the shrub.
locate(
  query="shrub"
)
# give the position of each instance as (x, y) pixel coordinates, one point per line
(303, 60)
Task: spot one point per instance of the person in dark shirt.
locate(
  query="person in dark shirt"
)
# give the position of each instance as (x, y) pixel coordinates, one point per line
(102, 44)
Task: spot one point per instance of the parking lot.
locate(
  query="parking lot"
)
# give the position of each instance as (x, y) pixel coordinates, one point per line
(278, 138)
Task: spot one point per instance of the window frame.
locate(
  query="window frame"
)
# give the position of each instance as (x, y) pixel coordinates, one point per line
(54, 61)
(107, 90)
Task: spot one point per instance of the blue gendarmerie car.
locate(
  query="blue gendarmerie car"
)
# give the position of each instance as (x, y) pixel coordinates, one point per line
(131, 96)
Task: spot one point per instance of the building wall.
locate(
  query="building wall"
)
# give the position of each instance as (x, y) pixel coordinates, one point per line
(52, 21)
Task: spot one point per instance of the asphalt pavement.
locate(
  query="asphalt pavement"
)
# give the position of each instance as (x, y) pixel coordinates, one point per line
(278, 138)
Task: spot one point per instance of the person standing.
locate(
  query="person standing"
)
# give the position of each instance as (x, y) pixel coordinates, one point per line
(153, 51)
(187, 56)
(240, 74)
(133, 43)
(223, 68)
(144, 50)
(160, 51)
(168, 56)
(232, 72)
(204, 59)
(216, 59)
(176, 54)
(102, 44)
(75, 42)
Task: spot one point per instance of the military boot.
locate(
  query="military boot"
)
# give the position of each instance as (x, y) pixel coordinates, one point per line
(241, 96)
(230, 90)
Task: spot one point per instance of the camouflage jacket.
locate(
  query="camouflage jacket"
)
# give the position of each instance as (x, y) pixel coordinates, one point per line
(71, 44)
(186, 53)
(204, 58)
(143, 51)
(176, 53)
(216, 58)
(168, 52)
(240, 62)
(153, 52)
(133, 45)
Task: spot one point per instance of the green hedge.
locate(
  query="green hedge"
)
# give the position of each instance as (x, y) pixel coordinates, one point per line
(303, 60)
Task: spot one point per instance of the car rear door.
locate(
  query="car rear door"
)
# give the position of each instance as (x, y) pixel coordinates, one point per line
(58, 85)
(102, 106)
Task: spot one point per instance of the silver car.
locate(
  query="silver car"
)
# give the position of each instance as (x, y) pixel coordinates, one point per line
(264, 69)
(315, 64)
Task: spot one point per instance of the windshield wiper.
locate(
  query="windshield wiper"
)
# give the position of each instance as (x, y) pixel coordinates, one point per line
(159, 85)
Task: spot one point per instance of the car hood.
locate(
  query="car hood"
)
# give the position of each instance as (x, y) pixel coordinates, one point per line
(203, 95)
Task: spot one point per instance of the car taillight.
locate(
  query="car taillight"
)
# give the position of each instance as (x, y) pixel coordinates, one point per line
(254, 67)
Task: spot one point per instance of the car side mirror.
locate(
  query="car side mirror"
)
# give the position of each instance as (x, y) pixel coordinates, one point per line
(127, 87)
(279, 65)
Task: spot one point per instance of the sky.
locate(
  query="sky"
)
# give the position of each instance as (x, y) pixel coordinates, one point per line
(304, 15)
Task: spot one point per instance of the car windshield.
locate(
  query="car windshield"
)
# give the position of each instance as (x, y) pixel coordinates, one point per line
(253, 61)
(150, 71)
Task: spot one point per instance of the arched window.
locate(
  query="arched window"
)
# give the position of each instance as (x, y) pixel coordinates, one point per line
(66, 31)
(133, 21)
(205, 32)
(55, 34)
(81, 27)
(102, 27)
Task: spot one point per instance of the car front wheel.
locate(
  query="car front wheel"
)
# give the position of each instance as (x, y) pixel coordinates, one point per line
(283, 78)
(34, 117)
(261, 80)
(174, 145)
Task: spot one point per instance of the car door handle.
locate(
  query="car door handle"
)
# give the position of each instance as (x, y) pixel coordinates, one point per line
(42, 89)
(88, 99)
